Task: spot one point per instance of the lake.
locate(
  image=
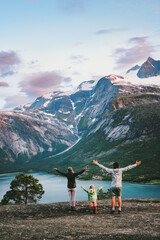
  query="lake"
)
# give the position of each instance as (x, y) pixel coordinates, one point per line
(56, 188)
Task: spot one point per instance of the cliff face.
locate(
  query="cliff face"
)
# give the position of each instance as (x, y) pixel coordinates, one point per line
(24, 135)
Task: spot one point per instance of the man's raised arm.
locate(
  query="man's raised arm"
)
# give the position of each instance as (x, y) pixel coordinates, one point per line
(103, 167)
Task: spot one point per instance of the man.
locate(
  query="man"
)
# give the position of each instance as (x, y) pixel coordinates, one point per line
(116, 185)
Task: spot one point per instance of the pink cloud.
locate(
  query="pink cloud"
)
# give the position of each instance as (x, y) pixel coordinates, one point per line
(140, 51)
(8, 60)
(79, 43)
(41, 83)
(14, 101)
(4, 84)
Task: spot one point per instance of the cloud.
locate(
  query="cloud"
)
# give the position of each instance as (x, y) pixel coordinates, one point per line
(79, 43)
(109, 31)
(70, 6)
(14, 101)
(77, 59)
(8, 74)
(4, 84)
(41, 83)
(8, 60)
(140, 50)
(67, 80)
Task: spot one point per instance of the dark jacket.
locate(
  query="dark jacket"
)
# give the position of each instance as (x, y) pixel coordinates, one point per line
(71, 178)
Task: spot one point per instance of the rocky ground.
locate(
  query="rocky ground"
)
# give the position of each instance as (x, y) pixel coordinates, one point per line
(140, 219)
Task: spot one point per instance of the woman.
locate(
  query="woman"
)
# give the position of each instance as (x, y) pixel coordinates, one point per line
(71, 176)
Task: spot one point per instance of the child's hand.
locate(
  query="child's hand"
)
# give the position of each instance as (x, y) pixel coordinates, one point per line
(138, 163)
(95, 162)
(81, 186)
(55, 169)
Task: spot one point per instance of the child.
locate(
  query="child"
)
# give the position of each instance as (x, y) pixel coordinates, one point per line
(116, 185)
(92, 197)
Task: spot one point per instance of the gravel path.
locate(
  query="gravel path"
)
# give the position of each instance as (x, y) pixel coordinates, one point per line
(140, 219)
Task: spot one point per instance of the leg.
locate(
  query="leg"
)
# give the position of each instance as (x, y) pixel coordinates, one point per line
(119, 202)
(113, 202)
(73, 197)
(92, 207)
(95, 207)
(70, 196)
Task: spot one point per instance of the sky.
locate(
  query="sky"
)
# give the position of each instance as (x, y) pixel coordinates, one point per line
(51, 45)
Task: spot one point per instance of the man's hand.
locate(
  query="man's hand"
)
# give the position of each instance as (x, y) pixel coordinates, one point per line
(138, 163)
(81, 186)
(85, 168)
(103, 186)
(95, 162)
(55, 169)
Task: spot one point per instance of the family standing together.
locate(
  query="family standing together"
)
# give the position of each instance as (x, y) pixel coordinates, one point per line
(116, 185)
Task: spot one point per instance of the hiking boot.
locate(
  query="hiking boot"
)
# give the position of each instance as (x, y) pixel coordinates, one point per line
(112, 211)
(73, 208)
(119, 211)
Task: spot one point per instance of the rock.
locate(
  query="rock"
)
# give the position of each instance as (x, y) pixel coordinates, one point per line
(140, 219)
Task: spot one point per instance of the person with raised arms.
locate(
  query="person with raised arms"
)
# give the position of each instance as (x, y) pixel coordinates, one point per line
(116, 185)
(71, 176)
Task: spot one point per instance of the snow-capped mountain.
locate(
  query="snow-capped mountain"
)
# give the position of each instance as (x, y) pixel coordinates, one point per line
(57, 121)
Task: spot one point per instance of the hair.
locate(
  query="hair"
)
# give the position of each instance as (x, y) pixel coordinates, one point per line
(70, 169)
(116, 165)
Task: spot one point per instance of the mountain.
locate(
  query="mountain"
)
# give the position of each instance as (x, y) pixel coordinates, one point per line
(114, 119)
(149, 69)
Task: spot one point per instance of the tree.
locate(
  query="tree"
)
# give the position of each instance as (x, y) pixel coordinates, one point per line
(24, 189)
(104, 195)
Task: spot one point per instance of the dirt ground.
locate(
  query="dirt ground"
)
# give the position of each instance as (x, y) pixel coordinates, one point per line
(140, 219)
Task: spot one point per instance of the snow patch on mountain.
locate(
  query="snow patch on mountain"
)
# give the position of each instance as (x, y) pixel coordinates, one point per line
(132, 78)
(87, 85)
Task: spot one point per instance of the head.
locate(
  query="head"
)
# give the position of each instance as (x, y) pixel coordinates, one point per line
(70, 169)
(91, 187)
(115, 165)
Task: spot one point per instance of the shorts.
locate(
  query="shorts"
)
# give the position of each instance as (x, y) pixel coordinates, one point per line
(116, 191)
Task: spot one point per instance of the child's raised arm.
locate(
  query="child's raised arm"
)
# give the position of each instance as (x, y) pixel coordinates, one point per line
(84, 189)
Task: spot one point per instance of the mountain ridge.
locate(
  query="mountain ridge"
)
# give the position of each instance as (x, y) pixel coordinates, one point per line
(63, 126)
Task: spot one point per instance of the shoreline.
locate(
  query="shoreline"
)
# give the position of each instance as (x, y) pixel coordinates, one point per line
(147, 183)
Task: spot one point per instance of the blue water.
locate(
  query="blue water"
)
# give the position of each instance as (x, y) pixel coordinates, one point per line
(56, 188)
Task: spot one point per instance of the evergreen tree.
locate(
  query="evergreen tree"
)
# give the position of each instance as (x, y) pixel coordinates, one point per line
(24, 189)
(104, 195)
